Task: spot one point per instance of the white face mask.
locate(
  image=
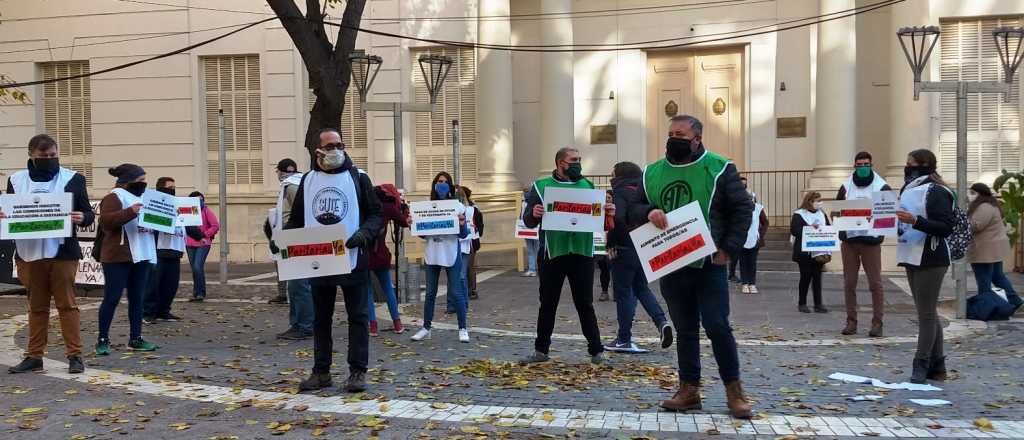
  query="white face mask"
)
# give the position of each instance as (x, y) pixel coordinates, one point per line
(819, 205)
(333, 159)
(971, 196)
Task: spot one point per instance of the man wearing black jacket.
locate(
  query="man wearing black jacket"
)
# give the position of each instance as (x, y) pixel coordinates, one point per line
(166, 275)
(335, 191)
(47, 266)
(699, 293)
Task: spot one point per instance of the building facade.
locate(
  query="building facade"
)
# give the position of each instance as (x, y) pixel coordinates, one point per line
(805, 98)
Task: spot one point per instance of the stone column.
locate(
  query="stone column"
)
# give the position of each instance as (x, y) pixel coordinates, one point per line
(495, 111)
(835, 112)
(556, 98)
(911, 120)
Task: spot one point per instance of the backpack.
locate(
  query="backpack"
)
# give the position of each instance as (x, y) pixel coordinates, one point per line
(962, 236)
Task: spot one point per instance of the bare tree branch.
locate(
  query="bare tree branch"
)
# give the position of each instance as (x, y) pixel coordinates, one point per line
(348, 32)
(315, 17)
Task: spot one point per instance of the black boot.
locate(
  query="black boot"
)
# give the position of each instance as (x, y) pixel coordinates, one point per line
(356, 382)
(937, 369)
(27, 365)
(920, 373)
(316, 381)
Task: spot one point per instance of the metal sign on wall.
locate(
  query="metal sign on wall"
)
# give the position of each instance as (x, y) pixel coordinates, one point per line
(795, 127)
(603, 134)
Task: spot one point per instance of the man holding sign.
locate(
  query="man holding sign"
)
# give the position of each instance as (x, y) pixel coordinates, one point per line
(47, 266)
(565, 254)
(699, 293)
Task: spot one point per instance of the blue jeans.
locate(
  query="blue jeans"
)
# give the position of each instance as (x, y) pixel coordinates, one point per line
(197, 259)
(455, 291)
(121, 276)
(989, 274)
(300, 305)
(630, 285)
(163, 286)
(695, 297)
(450, 302)
(384, 276)
(532, 247)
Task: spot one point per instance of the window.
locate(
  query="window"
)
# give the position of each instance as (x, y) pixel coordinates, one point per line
(67, 114)
(457, 100)
(968, 53)
(353, 125)
(232, 83)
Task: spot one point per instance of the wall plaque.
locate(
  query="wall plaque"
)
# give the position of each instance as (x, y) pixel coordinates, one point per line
(795, 127)
(603, 134)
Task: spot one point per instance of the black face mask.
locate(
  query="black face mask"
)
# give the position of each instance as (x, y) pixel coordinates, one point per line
(166, 190)
(43, 169)
(136, 188)
(679, 150)
(910, 173)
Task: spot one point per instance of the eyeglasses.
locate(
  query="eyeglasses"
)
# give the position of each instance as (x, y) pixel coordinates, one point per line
(334, 146)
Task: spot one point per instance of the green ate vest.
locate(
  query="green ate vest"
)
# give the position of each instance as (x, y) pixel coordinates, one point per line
(671, 186)
(559, 243)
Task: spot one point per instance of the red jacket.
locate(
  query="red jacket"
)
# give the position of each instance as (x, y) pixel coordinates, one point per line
(392, 211)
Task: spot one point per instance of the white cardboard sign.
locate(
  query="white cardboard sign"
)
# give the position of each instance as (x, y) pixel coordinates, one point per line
(190, 211)
(600, 244)
(574, 210)
(883, 213)
(823, 239)
(89, 272)
(159, 211)
(851, 215)
(685, 240)
(90, 231)
(435, 217)
(312, 252)
(39, 215)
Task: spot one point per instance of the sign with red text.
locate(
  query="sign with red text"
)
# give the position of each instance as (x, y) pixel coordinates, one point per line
(190, 211)
(312, 252)
(686, 239)
(574, 210)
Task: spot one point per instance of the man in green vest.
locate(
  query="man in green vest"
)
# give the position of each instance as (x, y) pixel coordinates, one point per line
(699, 293)
(564, 255)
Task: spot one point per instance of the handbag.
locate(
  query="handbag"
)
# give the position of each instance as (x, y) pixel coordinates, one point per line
(823, 258)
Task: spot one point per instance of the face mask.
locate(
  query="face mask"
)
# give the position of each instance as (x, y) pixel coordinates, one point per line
(863, 171)
(49, 164)
(679, 150)
(910, 173)
(972, 196)
(575, 171)
(136, 188)
(170, 191)
(819, 205)
(333, 159)
(442, 189)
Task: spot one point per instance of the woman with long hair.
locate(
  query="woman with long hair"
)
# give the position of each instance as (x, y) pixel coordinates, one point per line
(926, 220)
(991, 244)
(811, 213)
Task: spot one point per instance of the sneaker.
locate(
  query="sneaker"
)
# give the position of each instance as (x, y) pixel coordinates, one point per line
(597, 359)
(745, 288)
(294, 334)
(168, 317)
(463, 335)
(149, 320)
(528, 274)
(316, 381)
(533, 274)
(141, 345)
(803, 308)
(373, 329)
(75, 365)
(624, 347)
(535, 358)
(397, 324)
(667, 333)
(356, 382)
(196, 299)
(753, 289)
(424, 333)
(280, 299)
(27, 365)
(103, 347)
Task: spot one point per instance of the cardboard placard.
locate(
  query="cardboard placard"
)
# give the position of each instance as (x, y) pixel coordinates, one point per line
(574, 210)
(600, 244)
(883, 213)
(435, 217)
(90, 271)
(823, 239)
(526, 233)
(686, 239)
(851, 215)
(190, 211)
(159, 211)
(312, 252)
(39, 215)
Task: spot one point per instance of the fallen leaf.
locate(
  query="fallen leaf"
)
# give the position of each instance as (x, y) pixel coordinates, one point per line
(32, 410)
(439, 405)
(301, 408)
(984, 424)
(470, 429)
(548, 417)
(317, 432)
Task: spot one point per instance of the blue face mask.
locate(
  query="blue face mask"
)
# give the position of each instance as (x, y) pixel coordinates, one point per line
(442, 189)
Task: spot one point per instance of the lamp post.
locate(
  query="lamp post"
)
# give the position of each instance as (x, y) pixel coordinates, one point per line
(921, 42)
(435, 70)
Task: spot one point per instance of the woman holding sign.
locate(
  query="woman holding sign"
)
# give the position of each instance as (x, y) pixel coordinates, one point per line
(811, 213)
(127, 252)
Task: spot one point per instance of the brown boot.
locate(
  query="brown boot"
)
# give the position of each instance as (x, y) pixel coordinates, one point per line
(739, 407)
(686, 399)
(876, 329)
(851, 328)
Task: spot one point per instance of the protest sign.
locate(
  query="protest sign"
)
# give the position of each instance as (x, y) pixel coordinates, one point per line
(190, 211)
(600, 244)
(823, 239)
(435, 217)
(685, 240)
(159, 211)
(39, 215)
(90, 271)
(883, 213)
(574, 210)
(528, 233)
(851, 215)
(312, 252)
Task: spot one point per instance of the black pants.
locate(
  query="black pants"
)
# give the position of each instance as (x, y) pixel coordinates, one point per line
(162, 287)
(324, 296)
(810, 276)
(733, 262)
(580, 272)
(606, 275)
(748, 266)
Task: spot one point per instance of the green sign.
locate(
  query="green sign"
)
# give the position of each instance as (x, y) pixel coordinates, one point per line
(35, 226)
(158, 220)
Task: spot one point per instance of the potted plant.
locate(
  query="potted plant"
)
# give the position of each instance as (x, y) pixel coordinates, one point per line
(1010, 187)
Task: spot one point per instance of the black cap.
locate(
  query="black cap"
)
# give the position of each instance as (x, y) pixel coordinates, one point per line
(285, 164)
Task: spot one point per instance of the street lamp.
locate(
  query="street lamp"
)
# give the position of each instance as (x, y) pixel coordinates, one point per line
(364, 71)
(921, 42)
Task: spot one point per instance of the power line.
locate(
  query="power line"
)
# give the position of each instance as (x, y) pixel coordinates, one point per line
(148, 37)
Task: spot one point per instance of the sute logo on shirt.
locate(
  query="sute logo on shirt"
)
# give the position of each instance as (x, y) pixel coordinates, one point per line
(330, 206)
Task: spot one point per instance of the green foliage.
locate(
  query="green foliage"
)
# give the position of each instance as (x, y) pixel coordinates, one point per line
(1010, 187)
(9, 95)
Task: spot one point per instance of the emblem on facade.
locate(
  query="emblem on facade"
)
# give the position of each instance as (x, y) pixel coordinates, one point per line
(671, 109)
(718, 106)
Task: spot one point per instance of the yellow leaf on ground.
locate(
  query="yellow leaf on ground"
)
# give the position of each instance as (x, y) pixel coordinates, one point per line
(984, 424)
(470, 429)
(284, 428)
(384, 407)
(439, 405)
(32, 410)
(548, 417)
(317, 432)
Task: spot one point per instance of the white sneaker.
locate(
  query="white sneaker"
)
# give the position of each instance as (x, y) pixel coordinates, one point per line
(745, 288)
(753, 289)
(463, 335)
(525, 274)
(424, 333)
(533, 274)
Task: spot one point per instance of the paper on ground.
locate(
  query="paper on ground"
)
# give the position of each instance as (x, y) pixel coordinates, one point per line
(880, 384)
(867, 398)
(931, 402)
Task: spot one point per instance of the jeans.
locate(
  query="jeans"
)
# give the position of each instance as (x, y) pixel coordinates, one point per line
(630, 286)
(695, 297)
(925, 284)
(810, 277)
(463, 281)
(300, 305)
(120, 276)
(324, 296)
(455, 291)
(384, 276)
(989, 274)
(163, 286)
(532, 247)
(579, 270)
(748, 266)
(197, 259)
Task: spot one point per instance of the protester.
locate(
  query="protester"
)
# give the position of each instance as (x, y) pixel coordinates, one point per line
(735, 262)
(476, 218)
(166, 275)
(445, 252)
(198, 250)
(394, 211)
(334, 192)
(811, 213)
(755, 241)
(699, 294)
(127, 253)
(926, 219)
(862, 248)
(299, 293)
(47, 266)
(532, 244)
(630, 281)
(565, 255)
(603, 268)
(986, 253)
